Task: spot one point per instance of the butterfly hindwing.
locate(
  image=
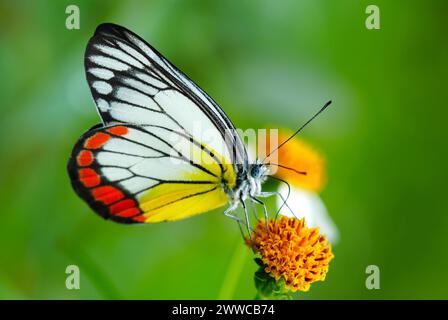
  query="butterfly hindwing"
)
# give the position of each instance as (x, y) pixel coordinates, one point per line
(134, 174)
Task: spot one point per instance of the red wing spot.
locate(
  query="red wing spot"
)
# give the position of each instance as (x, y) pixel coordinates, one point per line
(121, 206)
(97, 140)
(140, 218)
(129, 212)
(118, 130)
(84, 158)
(89, 177)
(107, 194)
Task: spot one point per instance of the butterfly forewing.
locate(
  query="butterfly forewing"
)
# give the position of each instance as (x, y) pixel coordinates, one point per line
(133, 83)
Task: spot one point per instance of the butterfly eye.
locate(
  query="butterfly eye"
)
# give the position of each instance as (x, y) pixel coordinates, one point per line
(255, 171)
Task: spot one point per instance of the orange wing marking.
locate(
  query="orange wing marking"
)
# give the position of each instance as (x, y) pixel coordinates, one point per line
(89, 177)
(97, 140)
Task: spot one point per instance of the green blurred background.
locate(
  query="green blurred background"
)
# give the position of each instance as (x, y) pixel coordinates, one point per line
(265, 62)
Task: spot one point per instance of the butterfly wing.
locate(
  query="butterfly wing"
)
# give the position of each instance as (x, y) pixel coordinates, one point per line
(166, 148)
(133, 83)
(132, 174)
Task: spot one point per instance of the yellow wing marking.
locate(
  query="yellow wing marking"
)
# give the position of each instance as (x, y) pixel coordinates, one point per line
(172, 201)
(169, 202)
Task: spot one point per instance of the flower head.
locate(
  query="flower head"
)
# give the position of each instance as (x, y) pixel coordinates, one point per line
(291, 252)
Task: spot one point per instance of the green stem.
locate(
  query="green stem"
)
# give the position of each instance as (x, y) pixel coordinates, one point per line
(234, 271)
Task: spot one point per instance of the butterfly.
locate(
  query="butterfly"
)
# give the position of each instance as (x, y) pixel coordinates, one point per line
(147, 162)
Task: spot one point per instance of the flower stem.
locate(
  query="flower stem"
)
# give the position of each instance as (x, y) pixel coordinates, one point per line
(234, 271)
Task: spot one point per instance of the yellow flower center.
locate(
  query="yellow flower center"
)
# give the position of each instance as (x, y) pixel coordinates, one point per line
(291, 251)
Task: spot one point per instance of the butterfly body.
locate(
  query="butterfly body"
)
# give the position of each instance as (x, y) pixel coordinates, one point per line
(249, 182)
(147, 162)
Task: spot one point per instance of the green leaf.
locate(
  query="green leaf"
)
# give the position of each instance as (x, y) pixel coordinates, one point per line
(267, 287)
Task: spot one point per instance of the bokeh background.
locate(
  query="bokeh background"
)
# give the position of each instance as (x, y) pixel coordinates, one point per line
(267, 63)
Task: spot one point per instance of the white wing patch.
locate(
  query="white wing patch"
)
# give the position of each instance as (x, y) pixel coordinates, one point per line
(120, 55)
(114, 174)
(101, 73)
(127, 94)
(105, 159)
(102, 104)
(108, 63)
(151, 80)
(138, 184)
(139, 85)
(102, 87)
(134, 53)
(194, 122)
(160, 169)
(134, 148)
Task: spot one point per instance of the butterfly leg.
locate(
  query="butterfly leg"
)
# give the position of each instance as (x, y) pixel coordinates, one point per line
(233, 217)
(265, 209)
(253, 210)
(275, 193)
(243, 204)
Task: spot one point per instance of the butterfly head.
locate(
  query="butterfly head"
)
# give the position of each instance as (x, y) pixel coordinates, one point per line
(258, 171)
(257, 174)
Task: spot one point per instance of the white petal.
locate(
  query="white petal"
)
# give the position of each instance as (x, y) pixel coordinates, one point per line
(307, 204)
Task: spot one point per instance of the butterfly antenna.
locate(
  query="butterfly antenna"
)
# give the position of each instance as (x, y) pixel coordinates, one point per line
(298, 130)
(285, 167)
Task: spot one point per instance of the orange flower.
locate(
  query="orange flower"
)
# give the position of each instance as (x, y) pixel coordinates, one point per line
(292, 252)
(300, 156)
